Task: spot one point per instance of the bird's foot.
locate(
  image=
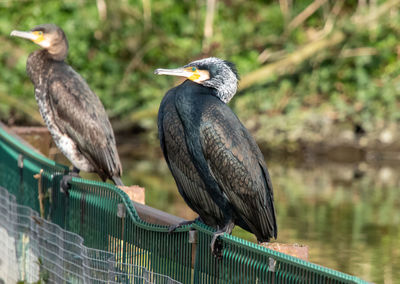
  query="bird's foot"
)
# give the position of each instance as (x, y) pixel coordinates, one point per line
(216, 245)
(176, 226)
(75, 171)
(64, 183)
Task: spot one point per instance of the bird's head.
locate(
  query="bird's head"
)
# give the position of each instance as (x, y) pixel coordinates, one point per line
(49, 37)
(210, 72)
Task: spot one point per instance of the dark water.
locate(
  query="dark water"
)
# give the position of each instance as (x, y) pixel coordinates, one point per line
(347, 213)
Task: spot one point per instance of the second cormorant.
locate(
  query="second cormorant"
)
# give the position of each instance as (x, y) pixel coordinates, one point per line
(72, 112)
(218, 167)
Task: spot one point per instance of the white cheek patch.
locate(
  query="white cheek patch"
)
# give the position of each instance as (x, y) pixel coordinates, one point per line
(44, 43)
(202, 75)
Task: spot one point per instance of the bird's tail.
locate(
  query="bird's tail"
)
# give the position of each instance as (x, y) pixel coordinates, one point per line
(117, 181)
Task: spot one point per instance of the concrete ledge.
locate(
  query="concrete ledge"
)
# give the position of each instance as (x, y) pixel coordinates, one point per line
(296, 250)
(135, 193)
(38, 137)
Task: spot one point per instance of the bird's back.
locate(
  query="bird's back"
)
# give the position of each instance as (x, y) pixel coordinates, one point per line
(180, 162)
(70, 109)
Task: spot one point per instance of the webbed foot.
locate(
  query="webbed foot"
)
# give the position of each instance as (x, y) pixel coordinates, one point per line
(216, 245)
(176, 226)
(64, 183)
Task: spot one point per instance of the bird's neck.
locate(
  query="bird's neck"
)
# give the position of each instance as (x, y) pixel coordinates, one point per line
(38, 65)
(225, 88)
(58, 52)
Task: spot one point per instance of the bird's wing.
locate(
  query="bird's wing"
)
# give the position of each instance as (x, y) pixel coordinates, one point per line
(170, 142)
(173, 145)
(82, 117)
(238, 166)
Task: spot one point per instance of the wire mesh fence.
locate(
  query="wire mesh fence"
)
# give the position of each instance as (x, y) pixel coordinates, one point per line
(111, 231)
(44, 252)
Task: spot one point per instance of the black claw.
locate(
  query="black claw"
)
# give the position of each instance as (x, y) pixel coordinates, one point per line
(75, 171)
(64, 183)
(176, 226)
(74, 174)
(216, 245)
(172, 228)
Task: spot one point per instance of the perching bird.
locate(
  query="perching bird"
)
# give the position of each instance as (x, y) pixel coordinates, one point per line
(218, 168)
(72, 112)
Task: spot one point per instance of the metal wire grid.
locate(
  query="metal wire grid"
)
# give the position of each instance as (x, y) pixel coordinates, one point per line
(46, 252)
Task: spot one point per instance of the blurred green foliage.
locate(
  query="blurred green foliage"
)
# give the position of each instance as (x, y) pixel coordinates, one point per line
(116, 49)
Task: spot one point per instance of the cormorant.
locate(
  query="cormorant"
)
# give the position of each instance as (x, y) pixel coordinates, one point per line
(72, 112)
(217, 166)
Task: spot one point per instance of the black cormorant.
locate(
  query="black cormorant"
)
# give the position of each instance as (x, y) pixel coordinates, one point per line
(218, 167)
(72, 112)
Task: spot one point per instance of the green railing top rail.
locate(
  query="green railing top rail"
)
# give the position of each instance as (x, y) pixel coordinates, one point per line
(28, 151)
(128, 203)
(92, 210)
(255, 248)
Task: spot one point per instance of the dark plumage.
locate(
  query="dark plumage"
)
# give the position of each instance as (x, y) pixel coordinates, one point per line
(217, 165)
(72, 112)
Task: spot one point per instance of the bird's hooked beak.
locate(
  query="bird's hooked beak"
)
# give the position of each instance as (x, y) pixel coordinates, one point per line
(191, 73)
(173, 72)
(27, 35)
(35, 36)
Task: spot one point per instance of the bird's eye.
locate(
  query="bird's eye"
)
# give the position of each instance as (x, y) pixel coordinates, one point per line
(40, 33)
(193, 69)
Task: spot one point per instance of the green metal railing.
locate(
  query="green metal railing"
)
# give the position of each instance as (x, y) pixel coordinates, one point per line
(35, 250)
(106, 219)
